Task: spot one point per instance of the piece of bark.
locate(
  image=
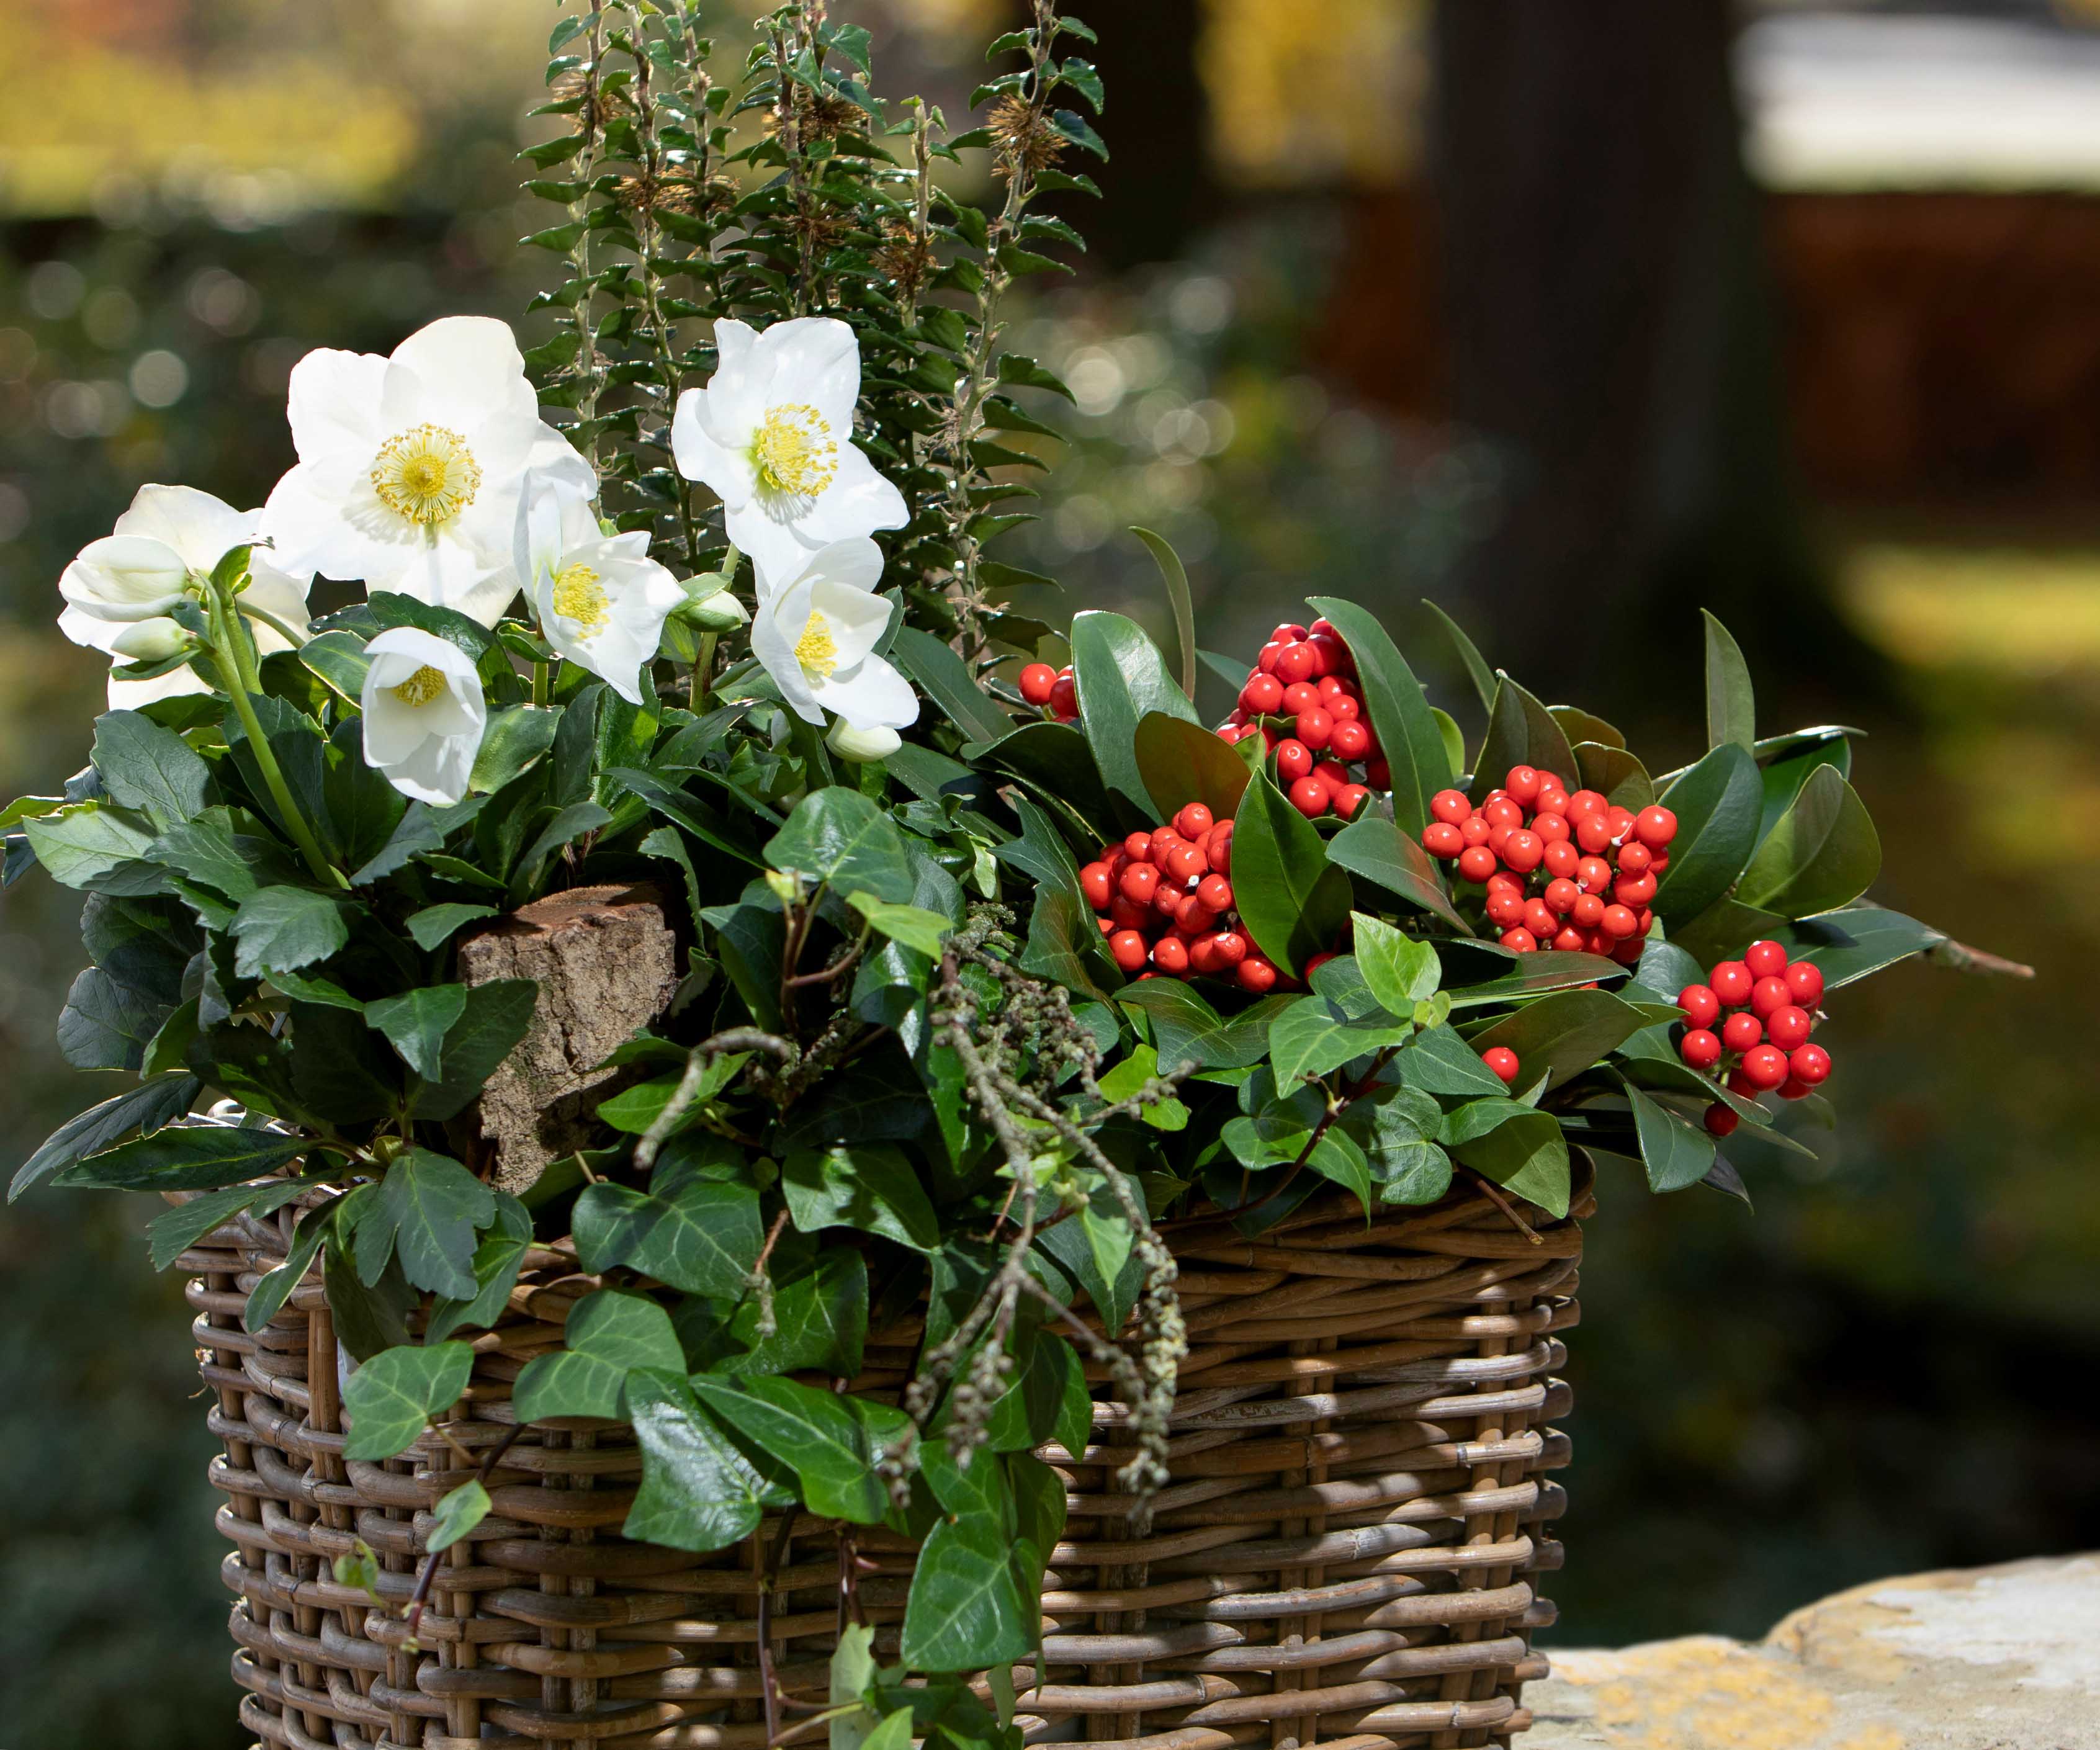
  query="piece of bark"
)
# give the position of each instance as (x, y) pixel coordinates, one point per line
(605, 964)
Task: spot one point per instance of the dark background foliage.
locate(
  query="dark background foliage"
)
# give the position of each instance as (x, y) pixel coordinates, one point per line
(1560, 361)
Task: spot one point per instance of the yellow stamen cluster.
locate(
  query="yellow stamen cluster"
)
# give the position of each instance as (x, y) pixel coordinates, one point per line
(426, 474)
(794, 451)
(579, 596)
(817, 650)
(424, 685)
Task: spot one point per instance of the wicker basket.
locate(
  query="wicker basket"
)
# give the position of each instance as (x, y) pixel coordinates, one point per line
(1345, 1555)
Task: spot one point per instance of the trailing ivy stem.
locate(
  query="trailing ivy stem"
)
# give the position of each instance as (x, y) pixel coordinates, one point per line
(421, 1595)
(236, 658)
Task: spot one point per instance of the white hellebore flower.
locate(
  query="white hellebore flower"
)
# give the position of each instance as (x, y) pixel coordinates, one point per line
(424, 713)
(816, 632)
(601, 599)
(410, 467)
(118, 591)
(772, 434)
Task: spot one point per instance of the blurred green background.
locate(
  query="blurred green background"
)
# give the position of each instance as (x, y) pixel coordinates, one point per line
(1576, 319)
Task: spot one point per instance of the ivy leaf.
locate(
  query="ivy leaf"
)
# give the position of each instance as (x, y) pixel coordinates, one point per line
(831, 1443)
(819, 1321)
(698, 1236)
(964, 1610)
(458, 1511)
(283, 928)
(390, 1398)
(426, 1213)
(609, 1335)
(1313, 1036)
(913, 925)
(698, 1491)
(497, 1260)
(871, 1186)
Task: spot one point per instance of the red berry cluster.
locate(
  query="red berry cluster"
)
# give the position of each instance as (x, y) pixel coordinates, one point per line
(1042, 685)
(1166, 903)
(1770, 1010)
(1301, 698)
(1575, 873)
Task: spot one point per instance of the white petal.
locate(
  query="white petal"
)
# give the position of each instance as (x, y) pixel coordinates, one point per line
(335, 406)
(856, 563)
(770, 542)
(861, 746)
(93, 634)
(728, 472)
(858, 501)
(774, 633)
(457, 371)
(202, 528)
(857, 620)
(872, 696)
(129, 695)
(739, 391)
(816, 362)
(125, 577)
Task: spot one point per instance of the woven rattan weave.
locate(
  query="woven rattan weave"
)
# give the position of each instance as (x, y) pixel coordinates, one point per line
(1346, 1554)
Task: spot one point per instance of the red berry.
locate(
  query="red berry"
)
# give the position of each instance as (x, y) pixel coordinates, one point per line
(1766, 960)
(1138, 847)
(1620, 820)
(1592, 834)
(1170, 955)
(1038, 682)
(1549, 781)
(1701, 1007)
(1294, 662)
(1264, 692)
(1742, 1085)
(1655, 828)
(1740, 1032)
(1215, 893)
(1220, 850)
(1765, 1066)
(1505, 908)
(1812, 1064)
(1476, 862)
(1569, 940)
(1289, 633)
(1439, 837)
(1376, 774)
(1185, 863)
(1520, 941)
(1720, 1121)
(1064, 696)
(1167, 897)
(1192, 917)
(1331, 772)
(1138, 882)
(1634, 891)
(1699, 1048)
(1350, 739)
(1768, 996)
(1550, 827)
(1804, 983)
(1499, 811)
(1310, 796)
(1730, 980)
(1266, 661)
(1552, 799)
(1293, 760)
(1585, 802)
(1634, 858)
(1788, 1027)
(1794, 1088)
(1588, 910)
(1300, 695)
(1502, 1060)
(1593, 874)
(1316, 728)
(1524, 851)
(1560, 895)
(1522, 783)
(1562, 858)
(1231, 946)
(1127, 949)
(1164, 839)
(1349, 801)
(1450, 805)
(1097, 884)
(1502, 881)
(1619, 923)
(1474, 829)
(1316, 963)
(1254, 973)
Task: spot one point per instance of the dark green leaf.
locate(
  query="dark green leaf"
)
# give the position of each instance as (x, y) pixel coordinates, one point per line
(1313, 1037)
(497, 1260)
(106, 1025)
(513, 740)
(1522, 1151)
(1717, 803)
(696, 1235)
(1400, 971)
(416, 1024)
(1561, 1036)
(1439, 1061)
(838, 836)
(1847, 945)
(1180, 762)
(435, 925)
(145, 1108)
(1675, 1153)
(1120, 676)
(1171, 572)
(1615, 773)
(819, 1321)
(1521, 732)
(965, 1610)
(1293, 903)
(497, 1015)
(1470, 659)
(171, 1233)
(872, 1187)
(1407, 732)
(283, 928)
(1730, 706)
(267, 1297)
(1823, 854)
(829, 1442)
(1186, 1029)
(426, 1213)
(186, 1157)
(946, 680)
(1376, 849)
(146, 767)
(698, 1491)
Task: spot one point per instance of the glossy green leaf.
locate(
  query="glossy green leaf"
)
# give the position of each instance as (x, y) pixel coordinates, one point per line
(698, 1491)
(1292, 902)
(426, 1214)
(499, 1255)
(185, 1157)
(106, 1025)
(267, 1297)
(458, 1511)
(1675, 1153)
(1717, 803)
(1172, 572)
(171, 1233)
(1470, 659)
(283, 928)
(1521, 1148)
(871, 1187)
(1785, 776)
(1730, 706)
(1439, 1061)
(918, 929)
(1376, 849)
(1313, 1038)
(146, 767)
(1615, 773)
(1520, 732)
(1562, 1035)
(830, 1442)
(945, 678)
(1408, 736)
(1848, 945)
(1186, 1029)
(839, 837)
(416, 1024)
(965, 1610)
(699, 1236)
(1823, 854)
(1182, 762)
(1120, 676)
(819, 1321)
(496, 1017)
(1400, 971)
(1532, 975)
(513, 739)
(389, 1399)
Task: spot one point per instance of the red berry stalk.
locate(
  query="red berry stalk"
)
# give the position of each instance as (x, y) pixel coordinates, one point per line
(1749, 1023)
(1165, 902)
(1052, 689)
(1571, 872)
(1301, 698)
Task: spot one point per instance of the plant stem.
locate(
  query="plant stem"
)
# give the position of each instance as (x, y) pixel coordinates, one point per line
(237, 661)
(540, 687)
(291, 637)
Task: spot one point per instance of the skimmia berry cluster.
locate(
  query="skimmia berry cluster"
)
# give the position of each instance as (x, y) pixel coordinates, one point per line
(1164, 900)
(1748, 1024)
(1052, 690)
(1301, 698)
(1575, 872)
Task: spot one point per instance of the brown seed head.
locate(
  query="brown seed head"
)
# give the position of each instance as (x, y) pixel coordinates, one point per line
(1021, 137)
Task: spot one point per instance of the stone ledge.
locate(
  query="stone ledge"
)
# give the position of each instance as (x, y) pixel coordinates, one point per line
(1983, 1659)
